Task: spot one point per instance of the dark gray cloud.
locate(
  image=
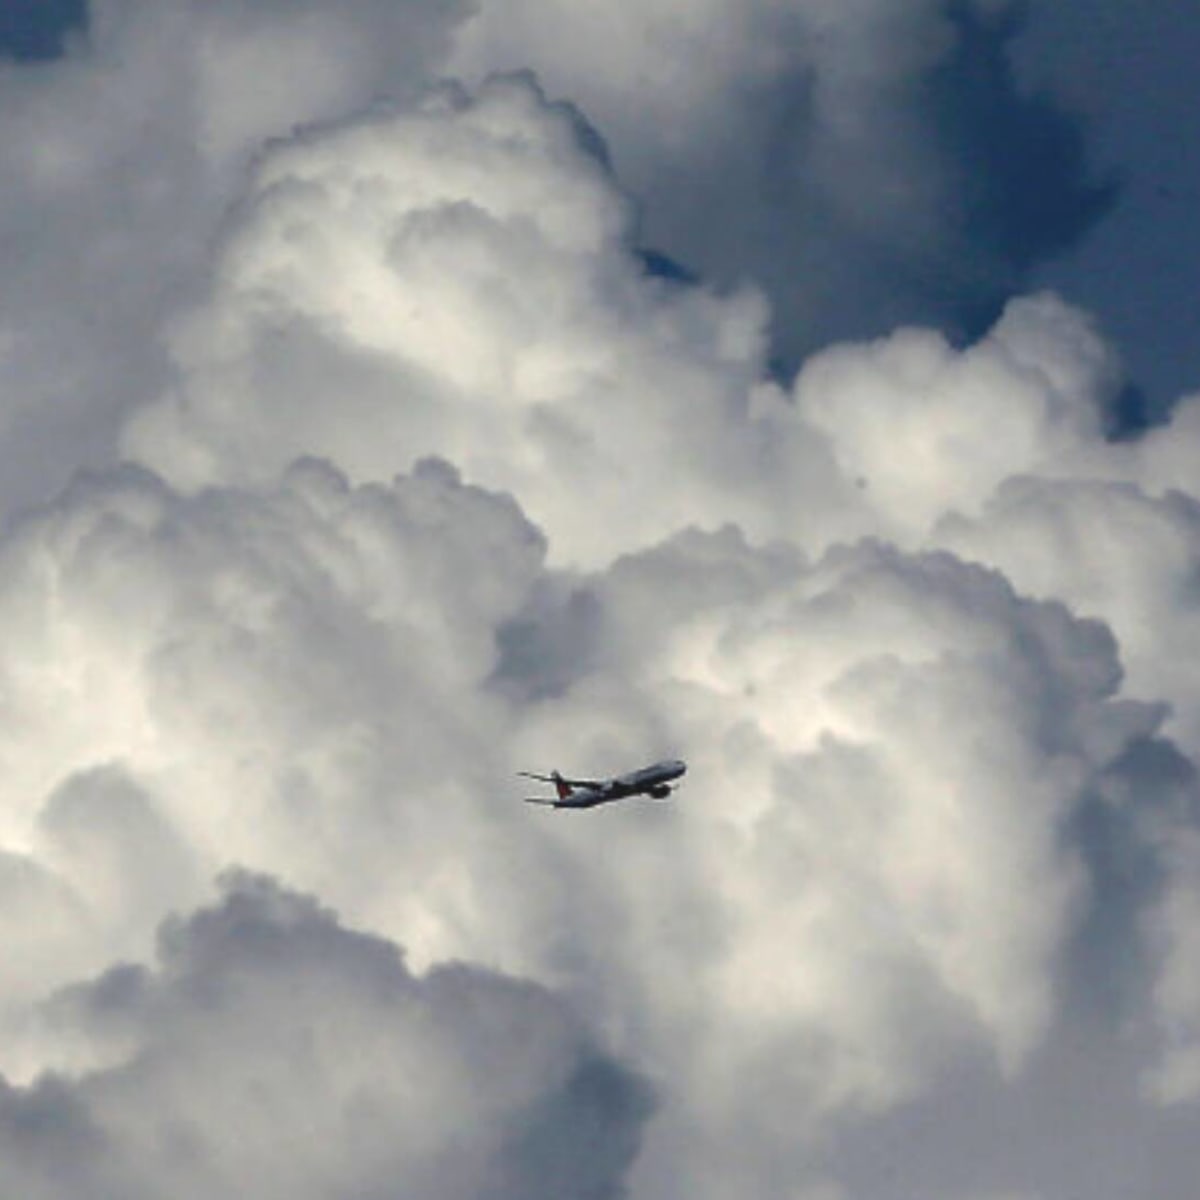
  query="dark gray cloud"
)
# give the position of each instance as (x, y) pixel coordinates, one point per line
(1075, 1125)
(274, 1052)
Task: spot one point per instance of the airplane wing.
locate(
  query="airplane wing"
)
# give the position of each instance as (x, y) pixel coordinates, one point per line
(579, 783)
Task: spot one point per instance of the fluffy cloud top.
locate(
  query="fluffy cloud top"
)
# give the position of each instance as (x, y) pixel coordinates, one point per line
(462, 277)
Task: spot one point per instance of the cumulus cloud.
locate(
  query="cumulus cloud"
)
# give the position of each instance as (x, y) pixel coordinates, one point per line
(272, 1050)
(435, 475)
(297, 679)
(200, 680)
(461, 276)
(130, 148)
(819, 697)
(117, 164)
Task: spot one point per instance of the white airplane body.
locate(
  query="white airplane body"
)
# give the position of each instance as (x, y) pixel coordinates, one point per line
(654, 781)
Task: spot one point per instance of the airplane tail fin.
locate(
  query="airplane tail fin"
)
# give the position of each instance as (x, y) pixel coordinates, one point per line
(561, 786)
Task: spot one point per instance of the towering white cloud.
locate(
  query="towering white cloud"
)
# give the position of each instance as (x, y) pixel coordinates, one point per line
(435, 476)
(302, 681)
(461, 277)
(241, 677)
(928, 432)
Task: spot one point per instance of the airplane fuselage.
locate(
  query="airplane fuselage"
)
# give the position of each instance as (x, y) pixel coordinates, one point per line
(651, 781)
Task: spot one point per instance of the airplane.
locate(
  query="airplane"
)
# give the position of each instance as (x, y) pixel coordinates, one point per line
(654, 781)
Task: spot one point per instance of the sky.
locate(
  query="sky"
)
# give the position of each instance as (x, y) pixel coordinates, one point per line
(1128, 70)
(400, 394)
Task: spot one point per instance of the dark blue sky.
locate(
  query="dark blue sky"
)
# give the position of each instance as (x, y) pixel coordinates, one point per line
(33, 29)
(1132, 68)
